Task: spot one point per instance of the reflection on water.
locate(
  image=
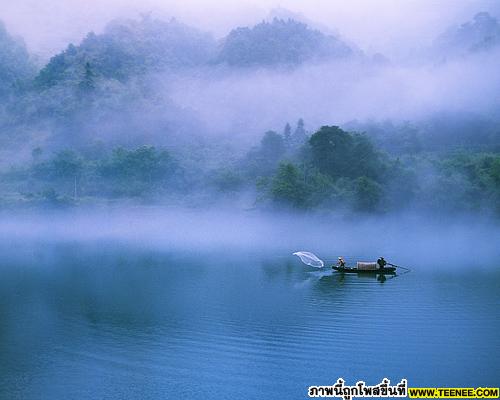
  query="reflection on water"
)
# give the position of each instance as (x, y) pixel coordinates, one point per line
(95, 321)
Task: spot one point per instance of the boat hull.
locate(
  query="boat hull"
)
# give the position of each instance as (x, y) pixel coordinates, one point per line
(386, 270)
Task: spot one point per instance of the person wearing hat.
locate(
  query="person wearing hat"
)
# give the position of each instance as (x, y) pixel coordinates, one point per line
(381, 262)
(341, 262)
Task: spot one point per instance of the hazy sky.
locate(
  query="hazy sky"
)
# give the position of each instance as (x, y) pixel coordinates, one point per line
(375, 25)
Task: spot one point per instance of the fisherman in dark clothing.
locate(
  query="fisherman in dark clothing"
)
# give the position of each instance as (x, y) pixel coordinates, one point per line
(381, 263)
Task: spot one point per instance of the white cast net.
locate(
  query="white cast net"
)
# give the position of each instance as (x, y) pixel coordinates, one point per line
(309, 259)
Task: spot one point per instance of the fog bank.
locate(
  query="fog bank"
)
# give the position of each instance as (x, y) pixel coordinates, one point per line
(254, 101)
(409, 240)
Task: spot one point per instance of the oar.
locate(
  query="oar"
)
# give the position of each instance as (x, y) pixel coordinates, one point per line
(398, 266)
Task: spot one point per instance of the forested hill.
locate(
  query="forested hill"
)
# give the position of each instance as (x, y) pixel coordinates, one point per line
(156, 111)
(107, 80)
(480, 34)
(129, 48)
(15, 64)
(280, 42)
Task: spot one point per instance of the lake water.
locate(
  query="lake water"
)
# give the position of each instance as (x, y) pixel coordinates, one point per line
(112, 321)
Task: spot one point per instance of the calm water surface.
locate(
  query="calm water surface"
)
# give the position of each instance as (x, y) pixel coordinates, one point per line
(86, 321)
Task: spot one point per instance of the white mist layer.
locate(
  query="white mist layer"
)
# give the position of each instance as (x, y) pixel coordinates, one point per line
(402, 240)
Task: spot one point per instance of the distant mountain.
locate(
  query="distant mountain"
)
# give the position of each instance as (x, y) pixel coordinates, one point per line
(280, 42)
(128, 48)
(15, 63)
(480, 34)
(285, 14)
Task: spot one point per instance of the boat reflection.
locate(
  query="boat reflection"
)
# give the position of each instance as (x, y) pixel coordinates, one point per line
(341, 277)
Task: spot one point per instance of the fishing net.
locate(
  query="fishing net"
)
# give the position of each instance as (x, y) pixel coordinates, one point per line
(309, 259)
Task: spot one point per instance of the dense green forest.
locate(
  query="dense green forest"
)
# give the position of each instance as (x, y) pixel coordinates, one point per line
(94, 126)
(331, 170)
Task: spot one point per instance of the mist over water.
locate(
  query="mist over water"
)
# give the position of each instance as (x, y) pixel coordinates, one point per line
(406, 240)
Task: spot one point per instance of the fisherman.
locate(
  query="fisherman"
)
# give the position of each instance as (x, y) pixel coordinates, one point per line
(341, 262)
(381, 263)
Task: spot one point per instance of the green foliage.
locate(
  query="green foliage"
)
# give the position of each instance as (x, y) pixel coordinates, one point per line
(64, 166)
(288, 187)
(493, 167)
(122, 173)
(279, 42)
(460, 182)
(295, 140)
(467, 182)
(264, 159)
(329, 147)
(144, 163)
(227, 181)
(129, 48)
(401, 185)
(438, 132)
(299, 136)
(15, 64)
(368, 194)
(137, 172)
(272, 145)
(482, 33)
(97, 92)
(337, 153)
(287, 134)
(342, 171)
(88, 82)
(322, 191)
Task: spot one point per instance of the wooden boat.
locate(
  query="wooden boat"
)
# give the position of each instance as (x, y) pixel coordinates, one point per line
(348, 270)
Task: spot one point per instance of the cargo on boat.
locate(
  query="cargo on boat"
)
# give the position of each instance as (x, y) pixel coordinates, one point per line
(365, 267)
(379, 267)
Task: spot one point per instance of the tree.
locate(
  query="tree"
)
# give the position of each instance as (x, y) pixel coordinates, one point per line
(299, 134)
(337, 153)
(15, 62)
(263, 160)
(272, 145)
(368, 194)
(227, 180)
(402, 184)
(287, 135)
(136, 171)
(66, 163)
(68, 167)
(279, 42)
(331, 151)
(288, 187)
(87, 83)
(128, 48)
